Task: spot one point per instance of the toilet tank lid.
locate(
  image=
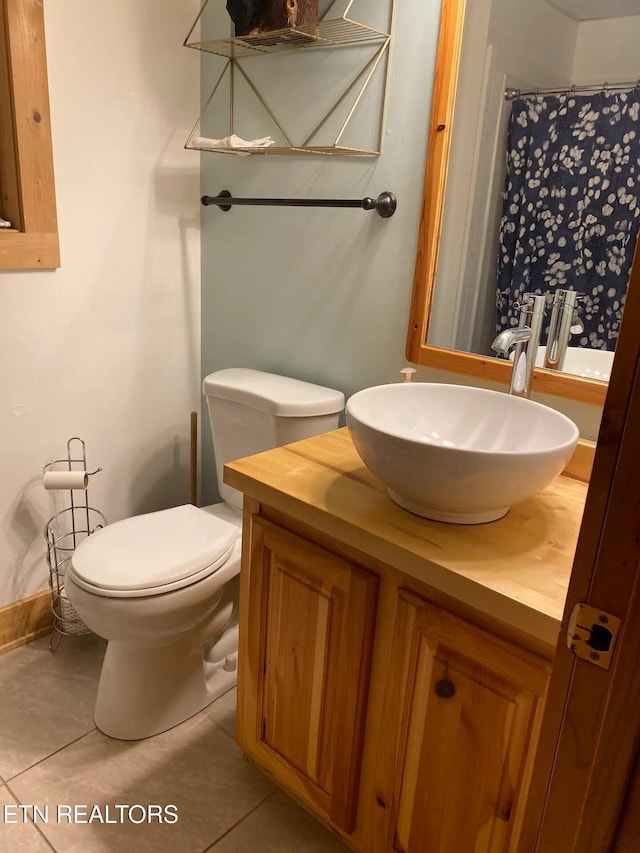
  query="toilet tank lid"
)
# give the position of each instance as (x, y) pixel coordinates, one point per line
(268, 392)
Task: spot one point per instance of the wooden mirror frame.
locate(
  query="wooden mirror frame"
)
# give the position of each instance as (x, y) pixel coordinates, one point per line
(438, 150)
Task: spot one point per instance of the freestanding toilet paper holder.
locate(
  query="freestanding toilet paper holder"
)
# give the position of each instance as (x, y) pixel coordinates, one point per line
(65, 530)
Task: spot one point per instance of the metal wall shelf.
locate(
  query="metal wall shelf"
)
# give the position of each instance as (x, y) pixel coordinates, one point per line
(283, 151)
(327, 33)
(338, 32)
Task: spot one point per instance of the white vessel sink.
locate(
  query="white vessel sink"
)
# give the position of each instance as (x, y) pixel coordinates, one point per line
(458, 454)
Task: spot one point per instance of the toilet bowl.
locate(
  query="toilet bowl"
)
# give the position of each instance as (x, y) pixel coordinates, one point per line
(162, 588)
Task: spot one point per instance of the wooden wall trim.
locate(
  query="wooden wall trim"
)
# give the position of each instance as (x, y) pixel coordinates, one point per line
(20, 251)
(33, 243)
(25, 620)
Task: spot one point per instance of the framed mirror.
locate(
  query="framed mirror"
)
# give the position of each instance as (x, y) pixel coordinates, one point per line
(532, 185)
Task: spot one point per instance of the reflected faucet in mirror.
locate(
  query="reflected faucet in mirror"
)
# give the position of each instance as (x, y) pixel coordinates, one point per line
(565, 322)
(526, 338)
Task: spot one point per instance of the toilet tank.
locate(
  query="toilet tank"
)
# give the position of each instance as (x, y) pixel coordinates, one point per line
(251, 411)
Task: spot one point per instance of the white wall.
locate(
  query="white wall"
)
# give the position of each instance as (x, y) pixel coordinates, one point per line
(107, 347)
(607, 51)
(536, 41)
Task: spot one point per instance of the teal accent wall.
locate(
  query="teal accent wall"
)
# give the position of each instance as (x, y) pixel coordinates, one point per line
(322, 294)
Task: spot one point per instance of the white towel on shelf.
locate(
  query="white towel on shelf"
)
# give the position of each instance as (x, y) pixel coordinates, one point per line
(232, 143)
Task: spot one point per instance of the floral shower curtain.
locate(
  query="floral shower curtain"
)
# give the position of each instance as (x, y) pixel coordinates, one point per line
(571, 209)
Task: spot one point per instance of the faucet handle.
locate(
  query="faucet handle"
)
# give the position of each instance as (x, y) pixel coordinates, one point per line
(525, 300)
(532, 304)
(568, 297)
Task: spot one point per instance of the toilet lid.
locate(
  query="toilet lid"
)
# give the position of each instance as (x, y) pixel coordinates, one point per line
(153, 550)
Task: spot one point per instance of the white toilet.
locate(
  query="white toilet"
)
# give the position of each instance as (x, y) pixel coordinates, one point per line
(162, 587)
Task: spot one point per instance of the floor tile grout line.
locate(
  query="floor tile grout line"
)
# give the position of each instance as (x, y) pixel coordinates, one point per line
(43, 836)
(50, 755)
(238, 822)
(32, 822)
(222, 729)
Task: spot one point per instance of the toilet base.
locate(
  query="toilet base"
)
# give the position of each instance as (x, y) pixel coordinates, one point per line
(145, 691)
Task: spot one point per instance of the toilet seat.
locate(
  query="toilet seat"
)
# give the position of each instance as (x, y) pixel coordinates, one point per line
(153, 553)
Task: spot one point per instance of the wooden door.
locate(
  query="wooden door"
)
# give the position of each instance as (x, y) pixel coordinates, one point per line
(313, 663)
(459, 724)
(627, 838)
(591, 726)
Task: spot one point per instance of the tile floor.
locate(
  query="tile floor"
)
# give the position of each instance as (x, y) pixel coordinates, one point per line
(51, 754)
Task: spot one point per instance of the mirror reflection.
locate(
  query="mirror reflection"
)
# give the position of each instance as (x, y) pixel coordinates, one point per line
(542, 188)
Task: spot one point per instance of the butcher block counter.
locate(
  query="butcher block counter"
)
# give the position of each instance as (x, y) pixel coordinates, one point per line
(516, 569)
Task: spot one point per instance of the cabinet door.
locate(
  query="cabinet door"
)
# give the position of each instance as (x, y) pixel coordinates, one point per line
(312, 657)
(462, 713)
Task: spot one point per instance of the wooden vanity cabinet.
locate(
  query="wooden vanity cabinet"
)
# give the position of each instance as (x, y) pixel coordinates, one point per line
(461, 714)
(434, 756)
(306, 666)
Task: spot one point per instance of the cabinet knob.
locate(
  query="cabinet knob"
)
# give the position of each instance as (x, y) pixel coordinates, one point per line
(445, 689)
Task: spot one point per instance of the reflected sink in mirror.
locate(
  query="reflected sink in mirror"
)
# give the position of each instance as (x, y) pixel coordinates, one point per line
(588, 363)
(458, 454)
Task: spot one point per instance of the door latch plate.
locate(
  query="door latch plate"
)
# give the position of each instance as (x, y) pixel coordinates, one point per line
(592, 635)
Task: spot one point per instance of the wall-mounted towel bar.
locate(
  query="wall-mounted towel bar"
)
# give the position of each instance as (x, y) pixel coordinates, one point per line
(385, 205)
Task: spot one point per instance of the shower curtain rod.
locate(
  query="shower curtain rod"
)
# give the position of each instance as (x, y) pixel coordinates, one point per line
(385, 205)
(511, 94)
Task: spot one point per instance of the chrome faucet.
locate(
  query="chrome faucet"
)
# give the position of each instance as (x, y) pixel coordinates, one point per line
(526, 338)
(564, 322)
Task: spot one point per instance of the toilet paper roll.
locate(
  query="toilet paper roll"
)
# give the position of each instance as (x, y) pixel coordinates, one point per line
(54, 480)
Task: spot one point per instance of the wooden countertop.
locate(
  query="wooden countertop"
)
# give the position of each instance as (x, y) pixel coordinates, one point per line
(516, 570)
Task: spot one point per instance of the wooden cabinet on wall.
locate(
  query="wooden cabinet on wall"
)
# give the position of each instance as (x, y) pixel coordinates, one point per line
(434, 754)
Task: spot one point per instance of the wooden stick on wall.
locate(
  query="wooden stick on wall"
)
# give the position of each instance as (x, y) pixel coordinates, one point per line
(193, 464)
